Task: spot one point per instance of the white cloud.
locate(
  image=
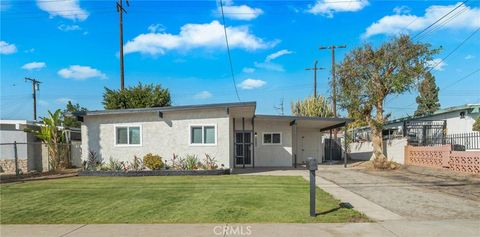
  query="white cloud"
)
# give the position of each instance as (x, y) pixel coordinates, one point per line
(29, 50)
(270, 66)
(156, 28)
(437, 63)
(242, 12)
(277, 55)
(203, 95)
(401, 10)
(78, 72)
(249, 84)
(63, 100)
(468, 57)
(6, 48)
(267, 64)
(329, 7)
(209, 35)
(69, 9)
(248, 70)
(64, 27)
(395, 24)
(34, 65)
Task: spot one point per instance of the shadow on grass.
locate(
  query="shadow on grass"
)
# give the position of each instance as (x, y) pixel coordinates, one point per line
(342, 205)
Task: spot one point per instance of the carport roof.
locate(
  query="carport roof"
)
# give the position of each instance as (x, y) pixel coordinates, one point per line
(309, 122)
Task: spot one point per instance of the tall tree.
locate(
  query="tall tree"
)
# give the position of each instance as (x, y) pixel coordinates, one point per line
(427, 99)
(312, 107)
(71, 122)
(476, 125)
(139, 96)
(367, 75)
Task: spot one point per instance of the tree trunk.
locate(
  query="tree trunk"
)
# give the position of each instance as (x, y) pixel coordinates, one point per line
(380, 160)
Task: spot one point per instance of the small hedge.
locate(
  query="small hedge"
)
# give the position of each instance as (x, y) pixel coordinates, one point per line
(153, 162)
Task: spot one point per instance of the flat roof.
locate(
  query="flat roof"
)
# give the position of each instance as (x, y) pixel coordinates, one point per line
(167, 108)
(309, 122)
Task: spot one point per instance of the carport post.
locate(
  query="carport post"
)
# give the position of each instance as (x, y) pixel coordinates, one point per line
(330, 156)
(17, 171)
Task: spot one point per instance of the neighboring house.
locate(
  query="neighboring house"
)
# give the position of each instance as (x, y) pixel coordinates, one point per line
(30, 152)
(231, 132)
(451, 125)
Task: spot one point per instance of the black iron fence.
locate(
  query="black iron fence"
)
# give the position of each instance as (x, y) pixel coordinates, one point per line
(459, 141)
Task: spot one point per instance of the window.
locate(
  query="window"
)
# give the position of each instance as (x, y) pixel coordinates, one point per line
(272, 138)
(128, 135)
(203, 134)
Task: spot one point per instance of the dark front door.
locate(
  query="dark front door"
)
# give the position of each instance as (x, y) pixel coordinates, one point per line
(243, 148)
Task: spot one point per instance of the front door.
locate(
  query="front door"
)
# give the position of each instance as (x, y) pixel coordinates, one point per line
(243, 148)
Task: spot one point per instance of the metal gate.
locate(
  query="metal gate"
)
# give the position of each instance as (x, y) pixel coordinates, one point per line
(424, 133)
(333, 149)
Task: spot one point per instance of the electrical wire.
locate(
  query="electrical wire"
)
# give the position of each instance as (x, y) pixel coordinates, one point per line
(228, 51)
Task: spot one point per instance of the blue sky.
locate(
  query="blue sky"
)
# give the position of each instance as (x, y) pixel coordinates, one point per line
(72, 47)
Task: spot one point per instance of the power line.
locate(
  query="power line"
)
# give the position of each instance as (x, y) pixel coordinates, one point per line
(428, 27)
(228, 52)
(463, 78)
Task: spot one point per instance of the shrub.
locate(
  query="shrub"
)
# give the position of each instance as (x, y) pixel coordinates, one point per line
(136, 164)
(91, 163)
(191, 162)
(115, 165)
(210, 163)
(153, 162)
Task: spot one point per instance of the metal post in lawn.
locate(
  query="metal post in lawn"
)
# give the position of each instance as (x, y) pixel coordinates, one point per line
(17, 172)
(312, 165)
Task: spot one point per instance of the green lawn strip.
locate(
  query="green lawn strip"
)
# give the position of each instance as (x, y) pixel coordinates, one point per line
(180, 199)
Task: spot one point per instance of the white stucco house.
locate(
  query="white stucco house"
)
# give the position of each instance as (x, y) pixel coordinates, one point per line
(231, 132)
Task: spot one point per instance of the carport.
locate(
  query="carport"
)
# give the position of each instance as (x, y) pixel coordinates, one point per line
(307, 134)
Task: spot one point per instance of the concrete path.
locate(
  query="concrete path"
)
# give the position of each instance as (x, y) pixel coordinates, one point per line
(359, 203)
(396, 228)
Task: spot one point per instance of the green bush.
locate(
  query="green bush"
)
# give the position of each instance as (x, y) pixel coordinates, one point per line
(153, 162)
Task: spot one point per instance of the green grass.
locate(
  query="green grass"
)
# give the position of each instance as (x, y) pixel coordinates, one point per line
(206, 199)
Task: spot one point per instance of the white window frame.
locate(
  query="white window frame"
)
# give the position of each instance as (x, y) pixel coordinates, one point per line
(272, 144)
(203, 134)
(128, 134)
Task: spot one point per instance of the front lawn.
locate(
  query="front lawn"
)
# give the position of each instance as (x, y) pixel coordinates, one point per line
(180, 199)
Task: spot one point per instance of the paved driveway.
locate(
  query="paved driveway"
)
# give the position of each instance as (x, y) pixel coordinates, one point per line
(413, 193)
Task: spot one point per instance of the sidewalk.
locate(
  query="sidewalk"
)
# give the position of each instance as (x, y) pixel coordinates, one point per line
(388, 228)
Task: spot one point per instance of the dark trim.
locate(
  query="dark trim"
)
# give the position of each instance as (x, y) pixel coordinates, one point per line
(165, 109)
(333, 126)
(80, 118)
(160, 114)
(286, 117)
(293, 122)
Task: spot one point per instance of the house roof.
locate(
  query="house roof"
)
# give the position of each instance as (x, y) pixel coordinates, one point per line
(309, 122)
(473, 108)
(166, 108)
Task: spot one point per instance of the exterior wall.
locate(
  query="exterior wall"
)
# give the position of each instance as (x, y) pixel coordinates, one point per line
(10, 136)
(273, 155)
(163, 136)
(309, 144)
(394, 150)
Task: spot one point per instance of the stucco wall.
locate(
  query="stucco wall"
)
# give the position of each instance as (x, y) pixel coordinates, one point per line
(162, 136)
(394, 149)
(309, 145)
(273, 155)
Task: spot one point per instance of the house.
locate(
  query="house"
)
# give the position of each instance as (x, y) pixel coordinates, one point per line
(31, 154)
(231, 132)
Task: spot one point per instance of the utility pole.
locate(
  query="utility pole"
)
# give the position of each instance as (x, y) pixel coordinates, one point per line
(35, 87)
(334, 86)
(120, 11)
(315, 69)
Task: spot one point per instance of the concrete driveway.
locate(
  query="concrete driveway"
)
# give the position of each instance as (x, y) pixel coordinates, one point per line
(413, 193)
